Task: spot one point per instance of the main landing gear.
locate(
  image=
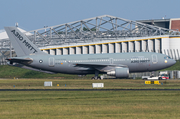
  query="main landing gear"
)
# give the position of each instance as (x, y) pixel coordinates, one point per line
(96, 77)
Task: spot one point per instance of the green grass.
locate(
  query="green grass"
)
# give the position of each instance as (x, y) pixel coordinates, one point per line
(86, 84)
(84, 104)
(89, 104)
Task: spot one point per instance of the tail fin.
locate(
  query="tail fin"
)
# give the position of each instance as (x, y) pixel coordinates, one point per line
(22, 45)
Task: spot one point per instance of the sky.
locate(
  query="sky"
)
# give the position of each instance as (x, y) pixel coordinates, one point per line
(35, 14)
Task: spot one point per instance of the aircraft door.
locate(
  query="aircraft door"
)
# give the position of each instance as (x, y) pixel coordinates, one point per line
(154, 59)
(51, 61)
(111, 60)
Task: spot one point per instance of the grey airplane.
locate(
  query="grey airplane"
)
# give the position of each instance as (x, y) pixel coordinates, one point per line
(115, 64)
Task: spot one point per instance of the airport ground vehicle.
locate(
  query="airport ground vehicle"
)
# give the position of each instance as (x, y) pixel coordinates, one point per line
(162, 75)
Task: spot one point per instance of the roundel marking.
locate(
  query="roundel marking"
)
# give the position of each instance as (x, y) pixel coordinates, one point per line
(40, 61)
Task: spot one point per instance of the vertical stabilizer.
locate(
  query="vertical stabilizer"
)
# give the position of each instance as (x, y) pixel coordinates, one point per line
(22, 45)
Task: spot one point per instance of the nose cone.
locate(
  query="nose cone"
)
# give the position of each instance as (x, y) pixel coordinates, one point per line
(171, 62)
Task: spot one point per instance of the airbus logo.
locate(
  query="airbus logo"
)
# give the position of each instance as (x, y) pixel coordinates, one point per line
(24, 41)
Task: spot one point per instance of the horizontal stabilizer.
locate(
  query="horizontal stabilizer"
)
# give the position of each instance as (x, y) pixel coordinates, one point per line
(30, 68)
(22, 61)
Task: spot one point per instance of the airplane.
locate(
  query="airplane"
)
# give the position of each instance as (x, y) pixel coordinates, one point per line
(29, 56)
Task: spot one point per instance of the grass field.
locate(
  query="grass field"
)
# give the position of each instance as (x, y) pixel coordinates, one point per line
(85, 84)
(88, 104)
(84, 104)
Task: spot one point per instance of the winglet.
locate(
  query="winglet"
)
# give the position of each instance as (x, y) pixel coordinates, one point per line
(22, 45)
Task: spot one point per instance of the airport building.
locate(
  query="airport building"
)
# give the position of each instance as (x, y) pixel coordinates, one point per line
(105, 34)
(173, 23)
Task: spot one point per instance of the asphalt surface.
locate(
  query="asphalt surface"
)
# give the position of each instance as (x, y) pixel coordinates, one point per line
(89, 89)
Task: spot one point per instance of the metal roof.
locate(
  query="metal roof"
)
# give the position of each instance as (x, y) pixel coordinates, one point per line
(100, 28)
(105, 27)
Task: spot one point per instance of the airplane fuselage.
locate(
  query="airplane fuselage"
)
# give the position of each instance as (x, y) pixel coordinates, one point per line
(136, 62)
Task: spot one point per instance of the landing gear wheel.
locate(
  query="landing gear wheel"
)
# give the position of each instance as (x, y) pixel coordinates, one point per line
(99, 78)
(93, 78)
(160, 78)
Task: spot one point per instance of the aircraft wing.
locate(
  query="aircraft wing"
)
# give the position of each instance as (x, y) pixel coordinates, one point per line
(19, 60)
(100, 67)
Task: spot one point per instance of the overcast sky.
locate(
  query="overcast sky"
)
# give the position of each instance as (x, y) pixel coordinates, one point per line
(35, 14)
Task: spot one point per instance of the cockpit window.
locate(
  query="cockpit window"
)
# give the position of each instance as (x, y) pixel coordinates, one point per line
(167, 57)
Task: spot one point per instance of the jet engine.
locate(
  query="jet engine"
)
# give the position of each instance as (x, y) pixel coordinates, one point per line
(119, 72)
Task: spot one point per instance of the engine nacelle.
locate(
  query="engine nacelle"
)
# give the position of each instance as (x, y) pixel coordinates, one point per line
(119, 72)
